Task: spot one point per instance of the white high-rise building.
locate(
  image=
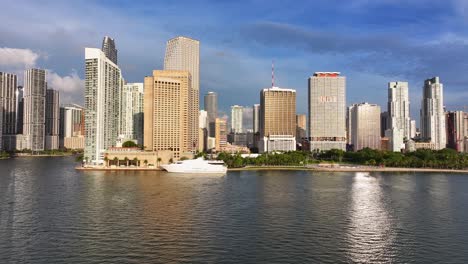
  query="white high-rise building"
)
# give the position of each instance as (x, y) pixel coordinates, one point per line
(413, 129)
(327, 111)
(35, 87)
(203, 119)
(103, 85)
(236, 118)
(432, 113)
(131, 116)
(398, 115)
(364, 121)
(183, 54)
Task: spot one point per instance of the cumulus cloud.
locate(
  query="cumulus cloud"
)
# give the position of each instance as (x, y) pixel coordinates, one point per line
(18, 58)
(71, 87)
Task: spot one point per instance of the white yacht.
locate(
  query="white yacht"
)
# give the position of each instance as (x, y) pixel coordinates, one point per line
(196, 166)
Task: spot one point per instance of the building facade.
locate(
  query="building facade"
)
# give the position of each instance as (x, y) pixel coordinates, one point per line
(236, 118)
(211, 107)
(456, 130)
(35, 87)
(365, 126)
(52, 120)
(71, 132)
(220, 134)
(167, 124)
(131, 115)
(108, 47)
(256, 118)
(277, 120)
(327, 111)
(432, 113)
(103, 86)
(398, 109)
(183, 54)
(8, 98)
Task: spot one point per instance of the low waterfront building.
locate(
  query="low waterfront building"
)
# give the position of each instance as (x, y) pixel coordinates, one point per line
(135, 157)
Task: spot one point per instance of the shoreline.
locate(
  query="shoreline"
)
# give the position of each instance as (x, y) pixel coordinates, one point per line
(80, 168)
(347, 169)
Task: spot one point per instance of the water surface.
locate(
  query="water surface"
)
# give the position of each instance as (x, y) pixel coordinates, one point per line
(50, 213)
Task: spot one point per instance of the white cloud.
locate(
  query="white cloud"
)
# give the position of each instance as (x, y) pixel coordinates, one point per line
(18, 58)
(71, 87)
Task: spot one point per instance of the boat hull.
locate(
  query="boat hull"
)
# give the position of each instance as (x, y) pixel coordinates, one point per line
(176, 169)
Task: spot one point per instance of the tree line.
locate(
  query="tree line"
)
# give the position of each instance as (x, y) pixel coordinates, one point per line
(422, 158)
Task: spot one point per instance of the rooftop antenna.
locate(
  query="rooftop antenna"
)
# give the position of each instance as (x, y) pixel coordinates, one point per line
(272, 73)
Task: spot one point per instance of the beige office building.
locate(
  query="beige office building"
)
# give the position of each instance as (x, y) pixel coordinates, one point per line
(327, 111)
(301, 126)
(277, 120)
(167, 116)
(220, 134)
(183, 54)
(365, 126)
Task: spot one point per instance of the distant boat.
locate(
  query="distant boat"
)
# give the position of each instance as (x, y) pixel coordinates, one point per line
(196, 166)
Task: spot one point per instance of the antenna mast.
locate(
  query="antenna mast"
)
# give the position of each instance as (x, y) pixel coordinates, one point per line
(272, 73)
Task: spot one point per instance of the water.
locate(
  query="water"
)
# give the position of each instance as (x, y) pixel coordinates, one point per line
(50, 213)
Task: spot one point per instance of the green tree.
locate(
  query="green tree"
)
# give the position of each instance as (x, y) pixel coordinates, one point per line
(129, 144)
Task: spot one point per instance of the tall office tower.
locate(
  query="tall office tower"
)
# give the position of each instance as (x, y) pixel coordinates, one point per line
(183, 54)
(20, 111)
(108, 47)
(277, 120)
(103, 85)
(52, 119)
(412, 128)
(256, 118)
(203, 133)
(211, 107)
(167, 112)
(301, 127)
(8, 86)
(432, 113)
(131, 116)
(35, 87)
(236, 118)
(365, 126)
(71, 132)
(456, 130)
(220, 134)
(398, 115)
(383, 123)
(327, 111)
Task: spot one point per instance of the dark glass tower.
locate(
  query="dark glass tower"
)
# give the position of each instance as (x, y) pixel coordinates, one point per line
(108, 47)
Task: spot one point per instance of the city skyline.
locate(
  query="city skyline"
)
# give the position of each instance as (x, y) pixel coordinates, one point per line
(312, 46)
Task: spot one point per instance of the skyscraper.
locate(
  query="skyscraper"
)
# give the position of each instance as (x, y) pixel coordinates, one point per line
(236, 118)
(365, 126)
(108, 47)
(20, 111)
(256, 118)
(278, 120)
(398, 115)
(383, 123)
(456, 130)
(103, 85)
(220, 134)
(35, 87)
(131, 116)
(327, 111)
(8, 86)
(203, 133)
(183, 54)
(432, 113)
(52, 117)
(167, 121)
(413, 129)
(211, 107)
(71, 131)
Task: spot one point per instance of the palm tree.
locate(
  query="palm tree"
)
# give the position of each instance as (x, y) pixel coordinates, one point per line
(159, 161)
(126, 160)
(145, 162)
(106, 159)
(136, 161)
(116, 160)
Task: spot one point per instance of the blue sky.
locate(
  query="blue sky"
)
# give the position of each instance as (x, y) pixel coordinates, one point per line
(370, 42)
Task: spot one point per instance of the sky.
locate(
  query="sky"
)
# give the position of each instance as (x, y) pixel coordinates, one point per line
(371, 42)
